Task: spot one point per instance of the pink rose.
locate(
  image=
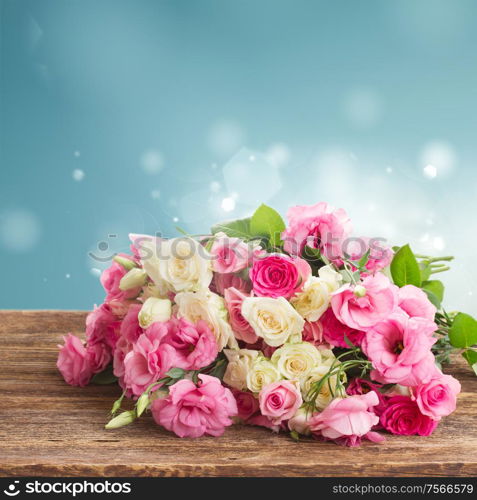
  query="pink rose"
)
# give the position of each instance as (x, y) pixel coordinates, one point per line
(347, 420)
(192, 411)
(313, 332)
(317, 226)
(280, 400)
(278, 275)
(402, 416)
(73, 362)
(247, 404)
(361, 313)
(438, 397)
(414, 302)
(102, 326)
(130, 328)
(230, 255)
(221, 282)
(334, 331)
(110, 279)
(400, 350)
(99, 356)
(195, 345)
(148, 361)
(240, 326)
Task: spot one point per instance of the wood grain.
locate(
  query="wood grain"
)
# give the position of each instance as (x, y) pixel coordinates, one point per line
(50, 428)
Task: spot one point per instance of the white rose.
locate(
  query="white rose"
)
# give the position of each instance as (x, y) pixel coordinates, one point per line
(315, 298)
(134, 278)
(261, 373)
(300, 421)
(274, 320)
(182, 264)
(154, 310)
(240, 363)
(296, 361)
(329, 389)
(209, 307)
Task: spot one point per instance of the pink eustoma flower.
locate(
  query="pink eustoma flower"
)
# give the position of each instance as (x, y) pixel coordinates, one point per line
(318, 226)
(347, 420)
(192, 411)
(148, 361)
(73, 362)
(363, 312)
(195, 344)
(414, 302)
(399, 349)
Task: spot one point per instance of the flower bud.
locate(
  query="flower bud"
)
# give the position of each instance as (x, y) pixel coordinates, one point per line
(154, 310)
(134, 278)
(359, 291)
(125, 262)
(142, 404)
(124, 418)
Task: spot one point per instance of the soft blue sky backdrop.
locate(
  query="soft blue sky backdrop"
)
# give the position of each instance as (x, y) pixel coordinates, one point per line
(123, 116)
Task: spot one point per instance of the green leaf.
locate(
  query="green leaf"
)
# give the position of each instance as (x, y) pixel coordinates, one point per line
(124, 418)
(105, 377)
(471, 358)
(425, 270)
(463, 332)
(436, 287)
(405, 269)
(364, 259)
(267, 222)
(239, 228)
(432, 298)
(176, 373)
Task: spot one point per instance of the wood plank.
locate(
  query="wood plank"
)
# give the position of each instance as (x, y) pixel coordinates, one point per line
(50, 428)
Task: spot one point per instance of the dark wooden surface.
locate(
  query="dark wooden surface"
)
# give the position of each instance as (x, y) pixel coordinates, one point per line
(50, 428)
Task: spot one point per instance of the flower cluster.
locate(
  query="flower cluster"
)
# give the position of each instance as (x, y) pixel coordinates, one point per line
(299, 328)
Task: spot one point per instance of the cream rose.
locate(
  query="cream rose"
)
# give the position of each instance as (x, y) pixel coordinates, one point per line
(296, 361)
(261, 373)
(209, 307)
(182, 264)
(240, 364)
(154, 310)
(274, 320)
(315, 298)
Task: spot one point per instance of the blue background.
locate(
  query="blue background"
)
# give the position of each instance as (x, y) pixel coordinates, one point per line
(123, 116)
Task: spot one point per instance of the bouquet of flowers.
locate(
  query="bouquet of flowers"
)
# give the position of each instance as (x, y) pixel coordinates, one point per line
(299, 328)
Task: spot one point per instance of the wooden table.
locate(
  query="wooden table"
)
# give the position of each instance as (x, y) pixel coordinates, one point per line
(50, 428)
